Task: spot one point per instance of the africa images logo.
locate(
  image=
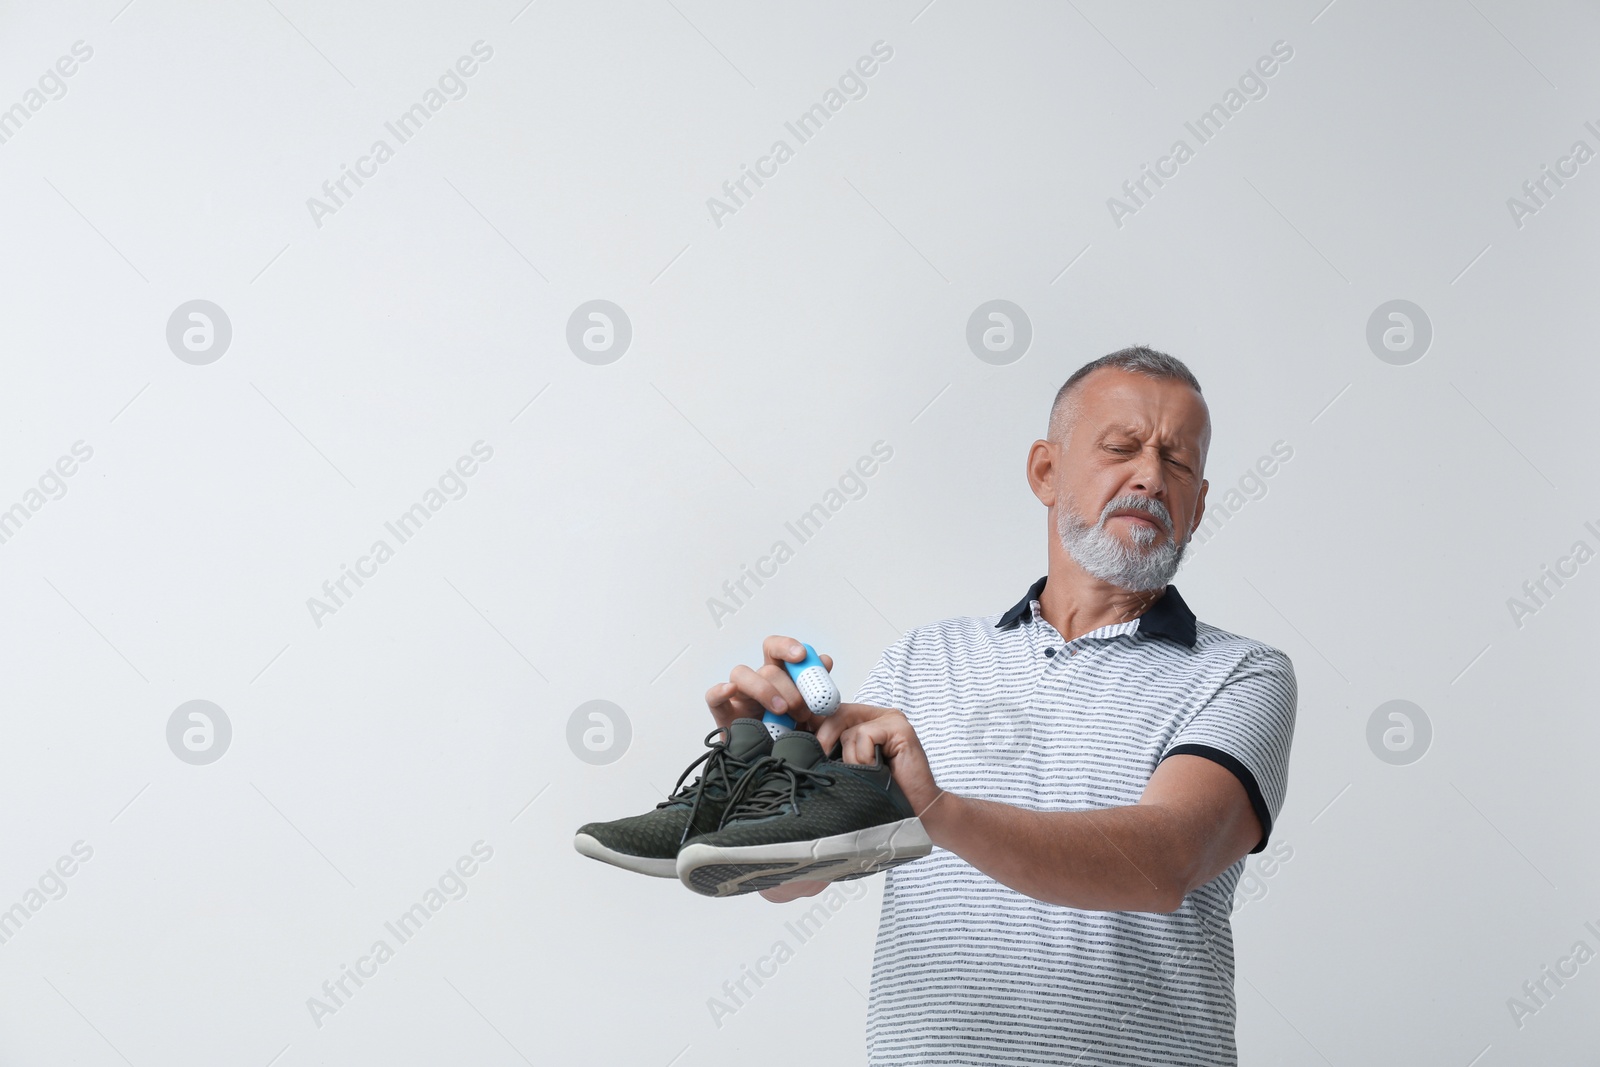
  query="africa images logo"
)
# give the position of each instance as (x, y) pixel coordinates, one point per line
(852, 485)
(852, 85)
(451, 85)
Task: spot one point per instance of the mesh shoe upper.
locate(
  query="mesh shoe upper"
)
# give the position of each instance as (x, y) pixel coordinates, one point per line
(796, 795)
(658, 833)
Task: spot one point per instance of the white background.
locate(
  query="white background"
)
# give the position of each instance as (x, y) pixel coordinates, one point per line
(769, 353)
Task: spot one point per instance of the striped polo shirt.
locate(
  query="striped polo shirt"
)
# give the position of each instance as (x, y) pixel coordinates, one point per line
(969, 971)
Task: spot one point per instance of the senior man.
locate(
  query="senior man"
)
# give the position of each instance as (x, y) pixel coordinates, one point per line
(1092, 767)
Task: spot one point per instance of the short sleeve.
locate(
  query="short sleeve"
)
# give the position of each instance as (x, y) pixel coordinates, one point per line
(1247, 726)
(882, 686)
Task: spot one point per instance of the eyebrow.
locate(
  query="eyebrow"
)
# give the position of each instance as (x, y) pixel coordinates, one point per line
(1132, 431)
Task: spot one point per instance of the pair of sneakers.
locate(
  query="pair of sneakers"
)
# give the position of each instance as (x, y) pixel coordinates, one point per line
(765, 812)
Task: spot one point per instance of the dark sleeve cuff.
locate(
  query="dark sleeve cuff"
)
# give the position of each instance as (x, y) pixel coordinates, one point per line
(1246, 779)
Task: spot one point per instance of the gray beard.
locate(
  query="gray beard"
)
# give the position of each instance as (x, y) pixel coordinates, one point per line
(1101, 553)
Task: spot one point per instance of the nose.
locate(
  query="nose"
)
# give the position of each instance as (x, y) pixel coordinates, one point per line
(1147, 473)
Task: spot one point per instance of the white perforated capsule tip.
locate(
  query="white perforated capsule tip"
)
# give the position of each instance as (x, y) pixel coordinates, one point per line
(817, 688)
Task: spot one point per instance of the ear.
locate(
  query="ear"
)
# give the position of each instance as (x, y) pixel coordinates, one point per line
(1199, 507)
(1041, 471)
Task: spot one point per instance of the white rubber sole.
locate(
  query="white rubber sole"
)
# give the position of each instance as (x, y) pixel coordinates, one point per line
(655, 868)
(721, 871)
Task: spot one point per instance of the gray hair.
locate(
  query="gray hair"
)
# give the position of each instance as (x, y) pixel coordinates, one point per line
(1138, 359)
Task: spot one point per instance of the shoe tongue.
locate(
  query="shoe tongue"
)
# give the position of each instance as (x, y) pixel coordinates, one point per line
(748, 739)
(798, 749)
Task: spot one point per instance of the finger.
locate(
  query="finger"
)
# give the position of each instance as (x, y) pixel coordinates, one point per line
(861, 741)
(726, 704)
(760, 689)
(831, 728)
(720, 696)
(779, 679)
(858, 746)
(779, 894)
(780, 650)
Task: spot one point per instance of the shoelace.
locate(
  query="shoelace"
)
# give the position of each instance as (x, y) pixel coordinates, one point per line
(778, 787)
(716, 761)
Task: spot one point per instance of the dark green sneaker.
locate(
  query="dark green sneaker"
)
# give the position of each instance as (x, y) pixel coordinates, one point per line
(649, 843)
(799, 817)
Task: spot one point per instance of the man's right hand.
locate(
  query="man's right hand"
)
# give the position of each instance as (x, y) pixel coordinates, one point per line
(750, 692)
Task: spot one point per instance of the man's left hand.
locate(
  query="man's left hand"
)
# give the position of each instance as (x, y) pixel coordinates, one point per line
(862, 727)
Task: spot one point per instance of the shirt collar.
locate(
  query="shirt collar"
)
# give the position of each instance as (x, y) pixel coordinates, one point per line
(1168, 617)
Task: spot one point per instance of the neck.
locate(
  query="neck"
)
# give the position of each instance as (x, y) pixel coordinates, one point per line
(1075, 602)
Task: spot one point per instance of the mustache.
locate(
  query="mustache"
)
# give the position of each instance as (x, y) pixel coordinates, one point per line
(1153, 508)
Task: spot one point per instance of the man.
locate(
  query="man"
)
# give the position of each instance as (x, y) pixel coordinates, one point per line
(1092, 767)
